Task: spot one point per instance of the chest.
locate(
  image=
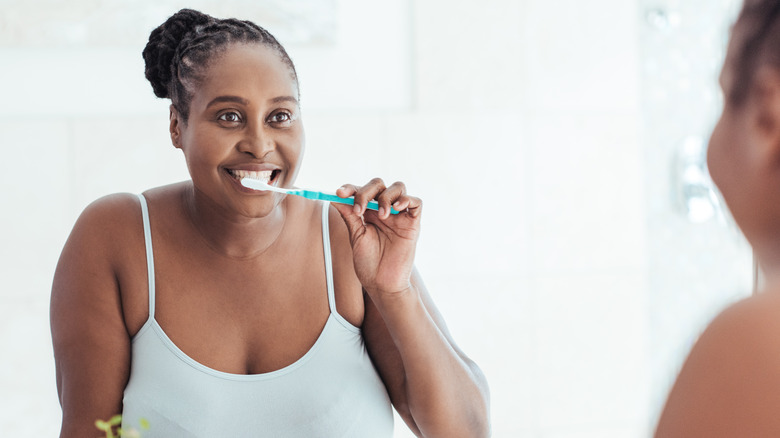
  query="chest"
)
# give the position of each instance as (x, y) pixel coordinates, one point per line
(242, 319)
(242, 316)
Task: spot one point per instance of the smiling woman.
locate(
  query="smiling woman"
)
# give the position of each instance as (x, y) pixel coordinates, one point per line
(211, 309)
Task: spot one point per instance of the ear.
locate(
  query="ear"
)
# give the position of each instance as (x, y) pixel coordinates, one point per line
(175, 127)
(765, 97)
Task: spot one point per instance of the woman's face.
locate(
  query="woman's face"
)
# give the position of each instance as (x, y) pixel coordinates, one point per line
(735, 159)
(244, 121)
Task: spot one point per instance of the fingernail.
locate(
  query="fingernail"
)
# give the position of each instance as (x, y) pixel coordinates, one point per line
(342, 188)
(357, 209)
(396, 204)
(382, 212)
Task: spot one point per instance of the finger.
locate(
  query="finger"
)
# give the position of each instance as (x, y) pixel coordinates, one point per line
(354, 222)
(372, 217)
(347, 190)
(409, 205)
(392, 194)
(368, 192)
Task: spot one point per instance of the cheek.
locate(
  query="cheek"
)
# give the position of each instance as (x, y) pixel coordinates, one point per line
(295, 147)
(301, 151)
(201, 153)
(720, 154)
(714, 153)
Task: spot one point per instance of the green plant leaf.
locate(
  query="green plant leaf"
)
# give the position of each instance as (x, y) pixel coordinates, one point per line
(102, 425)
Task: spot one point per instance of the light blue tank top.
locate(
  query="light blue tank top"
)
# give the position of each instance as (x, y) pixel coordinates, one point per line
(332, 391)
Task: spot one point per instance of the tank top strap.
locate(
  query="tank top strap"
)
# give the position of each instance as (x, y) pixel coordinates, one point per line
(328, 258)
(329, 271)
(149, 254)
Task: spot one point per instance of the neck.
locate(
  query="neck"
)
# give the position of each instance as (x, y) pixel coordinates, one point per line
(229, 234)
(768, 261)
(769, 278)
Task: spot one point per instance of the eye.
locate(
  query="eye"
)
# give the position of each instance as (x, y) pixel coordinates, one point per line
(280, 118)
(230, 117)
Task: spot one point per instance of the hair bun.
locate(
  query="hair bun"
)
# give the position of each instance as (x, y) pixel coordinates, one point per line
(161, 48)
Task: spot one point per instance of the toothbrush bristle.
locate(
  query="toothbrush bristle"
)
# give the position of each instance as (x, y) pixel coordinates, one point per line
(252, 183)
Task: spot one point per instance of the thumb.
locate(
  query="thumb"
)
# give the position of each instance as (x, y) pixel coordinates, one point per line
(354, 222)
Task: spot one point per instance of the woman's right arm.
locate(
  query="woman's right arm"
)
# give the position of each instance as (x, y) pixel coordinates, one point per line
(91, 341)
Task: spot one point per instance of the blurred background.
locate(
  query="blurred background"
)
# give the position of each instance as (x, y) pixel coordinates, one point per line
(571, 235)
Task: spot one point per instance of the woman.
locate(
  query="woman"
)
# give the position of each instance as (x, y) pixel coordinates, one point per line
(730, 383)
(209, 309)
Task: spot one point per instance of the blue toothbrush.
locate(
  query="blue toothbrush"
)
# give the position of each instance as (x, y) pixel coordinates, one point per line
(256, 184)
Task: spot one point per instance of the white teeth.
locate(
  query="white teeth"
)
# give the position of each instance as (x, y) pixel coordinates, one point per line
(264, 175)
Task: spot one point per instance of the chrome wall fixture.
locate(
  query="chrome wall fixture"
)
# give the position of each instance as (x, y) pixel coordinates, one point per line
(695, 196)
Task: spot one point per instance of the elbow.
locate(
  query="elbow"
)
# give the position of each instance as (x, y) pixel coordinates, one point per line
(472, 422)
(479, 424)
(478, 418)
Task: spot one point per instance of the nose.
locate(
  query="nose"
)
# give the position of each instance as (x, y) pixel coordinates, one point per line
(256, 141)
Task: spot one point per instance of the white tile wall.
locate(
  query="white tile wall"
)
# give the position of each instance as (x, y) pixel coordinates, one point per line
(28, 400)
(582, 56)
(470, 56)
(123, 154)
(586, 204)
(35, 177)
(590, 341)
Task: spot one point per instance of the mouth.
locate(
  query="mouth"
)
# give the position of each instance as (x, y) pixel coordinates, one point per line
(267, 176)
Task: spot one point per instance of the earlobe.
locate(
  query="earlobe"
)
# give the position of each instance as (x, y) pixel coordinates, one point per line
(174, 128)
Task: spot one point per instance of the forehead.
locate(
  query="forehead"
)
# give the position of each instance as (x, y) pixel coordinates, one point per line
(247, 70)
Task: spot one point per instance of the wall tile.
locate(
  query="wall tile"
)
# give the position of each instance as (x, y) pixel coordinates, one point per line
(587, 197)
(341, 148)
(591, 335)
(491, 319)
(470, 55)
(581, 56)
(84, 80)
(35, 183)
(35, 177)
(28, 406)
(470, 172)
(123, 154)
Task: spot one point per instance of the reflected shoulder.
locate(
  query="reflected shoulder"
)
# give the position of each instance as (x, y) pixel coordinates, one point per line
(730, 382)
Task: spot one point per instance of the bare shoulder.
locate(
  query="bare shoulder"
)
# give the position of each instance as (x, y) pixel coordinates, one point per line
(730, 382)
(101, 229)
(110, 212)
(108, 219)
(88, 269)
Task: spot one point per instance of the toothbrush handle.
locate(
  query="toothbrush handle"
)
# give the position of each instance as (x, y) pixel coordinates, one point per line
(322, 196)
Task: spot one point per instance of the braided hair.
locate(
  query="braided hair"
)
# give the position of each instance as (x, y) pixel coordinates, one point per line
(180, 49)
(758, 44)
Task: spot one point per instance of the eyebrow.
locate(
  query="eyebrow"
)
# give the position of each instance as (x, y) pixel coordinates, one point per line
(242, 101)
(285, 99)
(221, 99)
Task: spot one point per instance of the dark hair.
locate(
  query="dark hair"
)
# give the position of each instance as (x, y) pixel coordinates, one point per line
(759, 44)
(181, 48)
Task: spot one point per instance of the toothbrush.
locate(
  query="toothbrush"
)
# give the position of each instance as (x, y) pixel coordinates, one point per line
(256, 184)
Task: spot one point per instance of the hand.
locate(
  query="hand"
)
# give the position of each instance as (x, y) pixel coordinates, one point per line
(383, 244)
